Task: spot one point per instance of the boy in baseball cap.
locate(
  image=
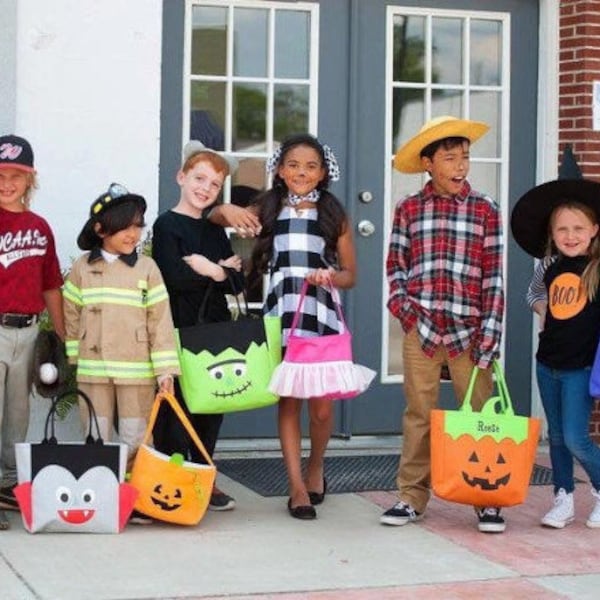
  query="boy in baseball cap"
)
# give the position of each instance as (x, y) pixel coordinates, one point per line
(444, 268)
(30, 281)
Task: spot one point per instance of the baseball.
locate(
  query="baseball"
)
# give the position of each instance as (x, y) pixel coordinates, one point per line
(48, 373)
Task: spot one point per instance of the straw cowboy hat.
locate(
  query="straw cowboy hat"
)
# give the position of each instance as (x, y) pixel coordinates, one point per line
(408, 157)
(531, 215)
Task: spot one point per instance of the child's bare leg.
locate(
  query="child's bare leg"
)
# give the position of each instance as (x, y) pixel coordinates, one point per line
(290, 438)
(321, 423)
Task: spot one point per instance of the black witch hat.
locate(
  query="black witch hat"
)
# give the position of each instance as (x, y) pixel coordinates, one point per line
(531, 215)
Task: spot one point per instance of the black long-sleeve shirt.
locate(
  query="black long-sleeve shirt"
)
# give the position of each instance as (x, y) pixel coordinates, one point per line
(175, 236)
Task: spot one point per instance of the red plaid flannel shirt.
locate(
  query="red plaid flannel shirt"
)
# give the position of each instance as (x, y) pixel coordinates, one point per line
(444, 268)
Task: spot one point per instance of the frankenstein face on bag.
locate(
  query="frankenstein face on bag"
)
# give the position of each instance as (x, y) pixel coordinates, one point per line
(227, 373)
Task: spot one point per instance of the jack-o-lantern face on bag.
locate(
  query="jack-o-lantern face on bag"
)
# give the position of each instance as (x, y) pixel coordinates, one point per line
(166, 497)
(485, 457)
(487, 472)
(171, 488)
(484, 463)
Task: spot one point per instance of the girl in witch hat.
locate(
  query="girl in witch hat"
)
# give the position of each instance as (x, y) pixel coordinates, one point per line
(558, 222)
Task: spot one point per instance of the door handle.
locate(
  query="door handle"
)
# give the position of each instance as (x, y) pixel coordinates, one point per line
(365, 228)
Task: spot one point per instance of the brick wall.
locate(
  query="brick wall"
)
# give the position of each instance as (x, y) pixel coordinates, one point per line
(579, 68)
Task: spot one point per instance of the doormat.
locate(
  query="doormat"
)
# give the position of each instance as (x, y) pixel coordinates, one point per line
(345, 474)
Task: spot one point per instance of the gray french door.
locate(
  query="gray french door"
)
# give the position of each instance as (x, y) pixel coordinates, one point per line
(407, 62)
(371, 73)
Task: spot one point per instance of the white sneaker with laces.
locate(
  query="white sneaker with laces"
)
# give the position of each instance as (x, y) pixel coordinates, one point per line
(594, 518)
(563, 511)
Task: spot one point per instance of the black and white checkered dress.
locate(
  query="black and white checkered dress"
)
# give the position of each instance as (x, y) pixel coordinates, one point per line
(298, 248)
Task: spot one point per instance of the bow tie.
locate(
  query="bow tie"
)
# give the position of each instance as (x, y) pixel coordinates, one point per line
(294, 199)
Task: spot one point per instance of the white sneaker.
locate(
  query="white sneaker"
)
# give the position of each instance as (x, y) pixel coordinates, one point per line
(594, 518)
(563, 511)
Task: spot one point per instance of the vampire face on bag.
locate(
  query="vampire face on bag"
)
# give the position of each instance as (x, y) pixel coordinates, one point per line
(68, 493)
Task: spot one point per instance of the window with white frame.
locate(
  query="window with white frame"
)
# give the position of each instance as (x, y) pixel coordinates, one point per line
(251, 74)
(445, 63)
(251, 70)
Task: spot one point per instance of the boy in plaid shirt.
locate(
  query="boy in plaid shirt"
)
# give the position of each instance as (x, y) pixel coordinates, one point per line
(444, 269)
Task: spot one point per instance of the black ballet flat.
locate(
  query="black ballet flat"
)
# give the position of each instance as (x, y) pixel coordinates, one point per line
(317, 498)
(305, 511)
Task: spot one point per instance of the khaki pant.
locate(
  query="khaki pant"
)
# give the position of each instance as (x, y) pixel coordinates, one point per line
(421, 389)
(16, 374)
(133, 404)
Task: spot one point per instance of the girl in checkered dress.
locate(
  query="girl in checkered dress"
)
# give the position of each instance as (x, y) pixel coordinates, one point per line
(305, 236)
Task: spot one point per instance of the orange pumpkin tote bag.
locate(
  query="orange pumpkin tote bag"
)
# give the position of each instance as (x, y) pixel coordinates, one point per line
(483, 458)
(170, 488)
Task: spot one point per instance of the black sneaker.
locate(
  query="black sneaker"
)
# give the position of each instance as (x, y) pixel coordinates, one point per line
(490, 520)
(400, 514)
(220, 501)
(7, 498)
(138, 518)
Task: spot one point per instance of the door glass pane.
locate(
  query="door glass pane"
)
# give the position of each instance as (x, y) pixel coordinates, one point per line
(409, 48)
(447, 51)
(250, 176)
(290, 111)
(249, 116)
(250, 46)
(207, 114)
(209, 41)
(446, 102)
(292, 44)
(408, 114)
(485, 177)
(485, 106)
(486, 52)
(402, 185)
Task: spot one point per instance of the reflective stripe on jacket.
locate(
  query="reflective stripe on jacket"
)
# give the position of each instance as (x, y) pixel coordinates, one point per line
(118, 321)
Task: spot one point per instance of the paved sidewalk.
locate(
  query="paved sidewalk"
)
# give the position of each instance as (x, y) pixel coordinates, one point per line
(257, 552)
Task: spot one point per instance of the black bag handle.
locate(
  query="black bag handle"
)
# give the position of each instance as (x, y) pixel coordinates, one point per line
(209, 290)
(241, 313)
(51, 416)
(203, 305)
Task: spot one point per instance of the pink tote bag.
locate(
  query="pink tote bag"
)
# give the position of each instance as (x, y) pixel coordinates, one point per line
(320, 366)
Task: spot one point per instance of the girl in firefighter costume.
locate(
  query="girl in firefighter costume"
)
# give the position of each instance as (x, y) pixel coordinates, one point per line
(119, 327)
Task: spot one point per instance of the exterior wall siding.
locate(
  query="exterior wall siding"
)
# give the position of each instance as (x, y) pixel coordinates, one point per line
(88, 80)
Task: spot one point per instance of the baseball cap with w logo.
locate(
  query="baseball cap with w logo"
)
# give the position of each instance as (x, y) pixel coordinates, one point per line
(16, 153)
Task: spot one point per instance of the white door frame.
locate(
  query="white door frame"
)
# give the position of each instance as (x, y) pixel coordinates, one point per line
(547, 139)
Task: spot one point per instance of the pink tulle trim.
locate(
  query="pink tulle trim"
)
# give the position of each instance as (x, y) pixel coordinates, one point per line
(333, 380)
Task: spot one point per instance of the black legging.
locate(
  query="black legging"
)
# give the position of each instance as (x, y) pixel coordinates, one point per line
(170, 436)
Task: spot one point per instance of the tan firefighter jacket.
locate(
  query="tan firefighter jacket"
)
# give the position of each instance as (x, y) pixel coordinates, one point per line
(118, 320)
